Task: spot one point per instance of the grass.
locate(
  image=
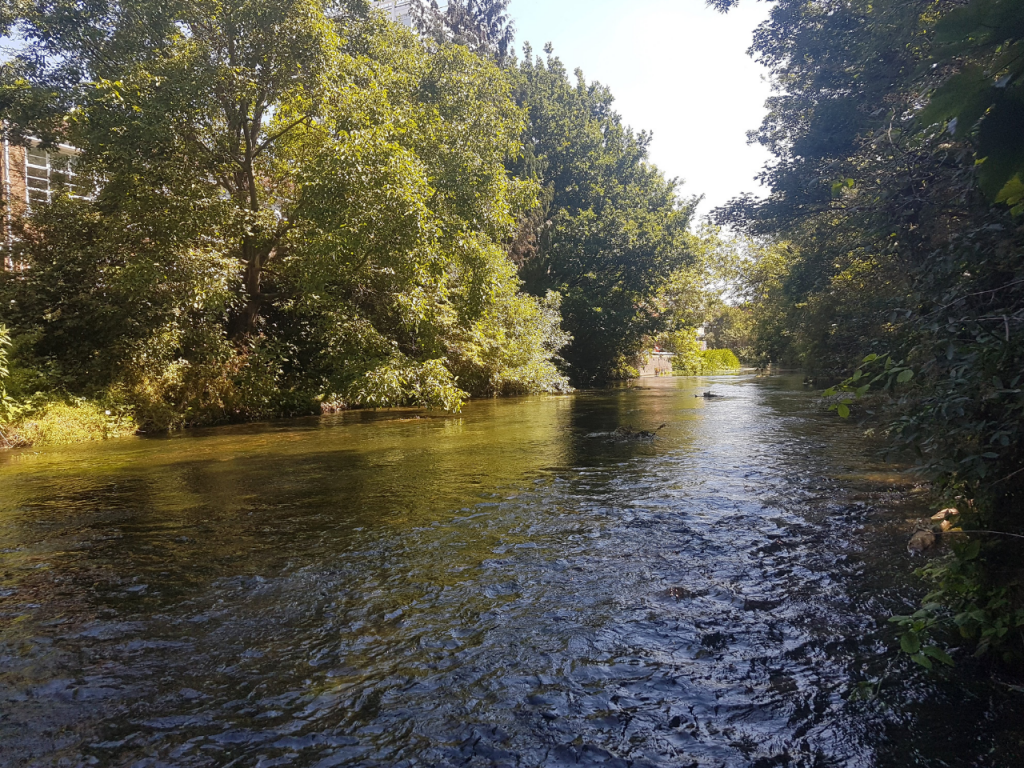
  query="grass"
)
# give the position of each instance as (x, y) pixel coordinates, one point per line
(62, 422)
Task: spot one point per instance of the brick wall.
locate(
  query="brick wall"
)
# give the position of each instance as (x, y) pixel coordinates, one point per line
(658, 364)
(12, 180)
(15, 175)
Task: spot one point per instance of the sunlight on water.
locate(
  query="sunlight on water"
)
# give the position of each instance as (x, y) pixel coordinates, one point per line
(506, 586)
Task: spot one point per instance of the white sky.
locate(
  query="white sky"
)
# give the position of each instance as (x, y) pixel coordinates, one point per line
(677, 68)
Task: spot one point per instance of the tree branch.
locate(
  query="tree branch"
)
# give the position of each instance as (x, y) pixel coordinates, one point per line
(271, 139)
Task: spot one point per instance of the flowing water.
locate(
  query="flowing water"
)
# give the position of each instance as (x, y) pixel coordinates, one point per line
(495, 588)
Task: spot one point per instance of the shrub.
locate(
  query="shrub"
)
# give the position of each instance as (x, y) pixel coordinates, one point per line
(65, 421)
(8, 407)
(720, 361)
(691, 360)
(688, 360)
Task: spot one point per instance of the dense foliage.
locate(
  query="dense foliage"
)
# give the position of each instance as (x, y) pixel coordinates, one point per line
(731, 328)
(611, 230)
(898, 132)
(709, 292)
(691, 360)
(297, 204)
(483, 26)
(7, 404)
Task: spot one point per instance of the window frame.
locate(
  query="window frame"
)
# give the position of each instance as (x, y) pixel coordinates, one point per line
(35, 195)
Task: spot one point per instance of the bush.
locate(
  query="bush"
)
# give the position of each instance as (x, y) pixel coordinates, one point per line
(65, 421)
(691, 360)
(8, 407)
(688, 360)
(720, 361)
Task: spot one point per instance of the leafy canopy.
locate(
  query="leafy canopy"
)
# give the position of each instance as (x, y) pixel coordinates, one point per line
(298, 203)
(610, 229)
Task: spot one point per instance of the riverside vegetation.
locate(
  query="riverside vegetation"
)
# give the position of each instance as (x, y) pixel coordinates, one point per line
(297, 206)
(895, 227)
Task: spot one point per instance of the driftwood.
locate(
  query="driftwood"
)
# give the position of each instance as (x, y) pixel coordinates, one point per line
(628, 435)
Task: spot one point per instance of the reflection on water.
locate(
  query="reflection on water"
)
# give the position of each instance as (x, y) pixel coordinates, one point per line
(493, 588)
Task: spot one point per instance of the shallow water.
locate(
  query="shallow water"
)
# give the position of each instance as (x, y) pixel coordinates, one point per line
(493, 588)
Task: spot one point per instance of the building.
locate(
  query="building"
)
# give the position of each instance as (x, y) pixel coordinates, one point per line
(657, 363)
(31, 176)
(398, 10)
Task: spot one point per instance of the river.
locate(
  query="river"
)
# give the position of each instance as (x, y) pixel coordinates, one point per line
(501, 587)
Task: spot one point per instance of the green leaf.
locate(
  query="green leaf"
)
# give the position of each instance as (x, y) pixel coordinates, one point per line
(910, 643)
(998, 142)
(938, 654)
(965, 97)
(1012, 194)
(972, 550)
(923, 660)
(844, 411)
(905, 376)
(870, 358)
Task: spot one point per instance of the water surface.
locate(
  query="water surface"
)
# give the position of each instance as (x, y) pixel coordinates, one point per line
(494, 588)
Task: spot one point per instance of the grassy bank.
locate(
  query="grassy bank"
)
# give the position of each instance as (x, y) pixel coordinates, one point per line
(62, 422)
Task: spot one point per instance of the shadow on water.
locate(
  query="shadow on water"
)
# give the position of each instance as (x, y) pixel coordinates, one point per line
(493, 588)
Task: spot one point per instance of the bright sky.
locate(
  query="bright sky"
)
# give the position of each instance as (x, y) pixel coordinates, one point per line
(677, 68)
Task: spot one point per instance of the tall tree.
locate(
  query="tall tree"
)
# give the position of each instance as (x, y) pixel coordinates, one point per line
(162, 97)
(898, 134)
(611, 228)
(483, 26)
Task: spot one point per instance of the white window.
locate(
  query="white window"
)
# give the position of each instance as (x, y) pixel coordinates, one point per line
(398, 10)
(45, 171)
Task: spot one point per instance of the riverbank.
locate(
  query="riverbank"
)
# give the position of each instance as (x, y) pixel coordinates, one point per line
(64, 422)
(55, 421)
(47, 423)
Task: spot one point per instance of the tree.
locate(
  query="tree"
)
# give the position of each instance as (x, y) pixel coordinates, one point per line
(696, 292)
(483, 26)
(297, 203)
(903, 260)
(181, 101)
(610, 229)
(980, 50)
